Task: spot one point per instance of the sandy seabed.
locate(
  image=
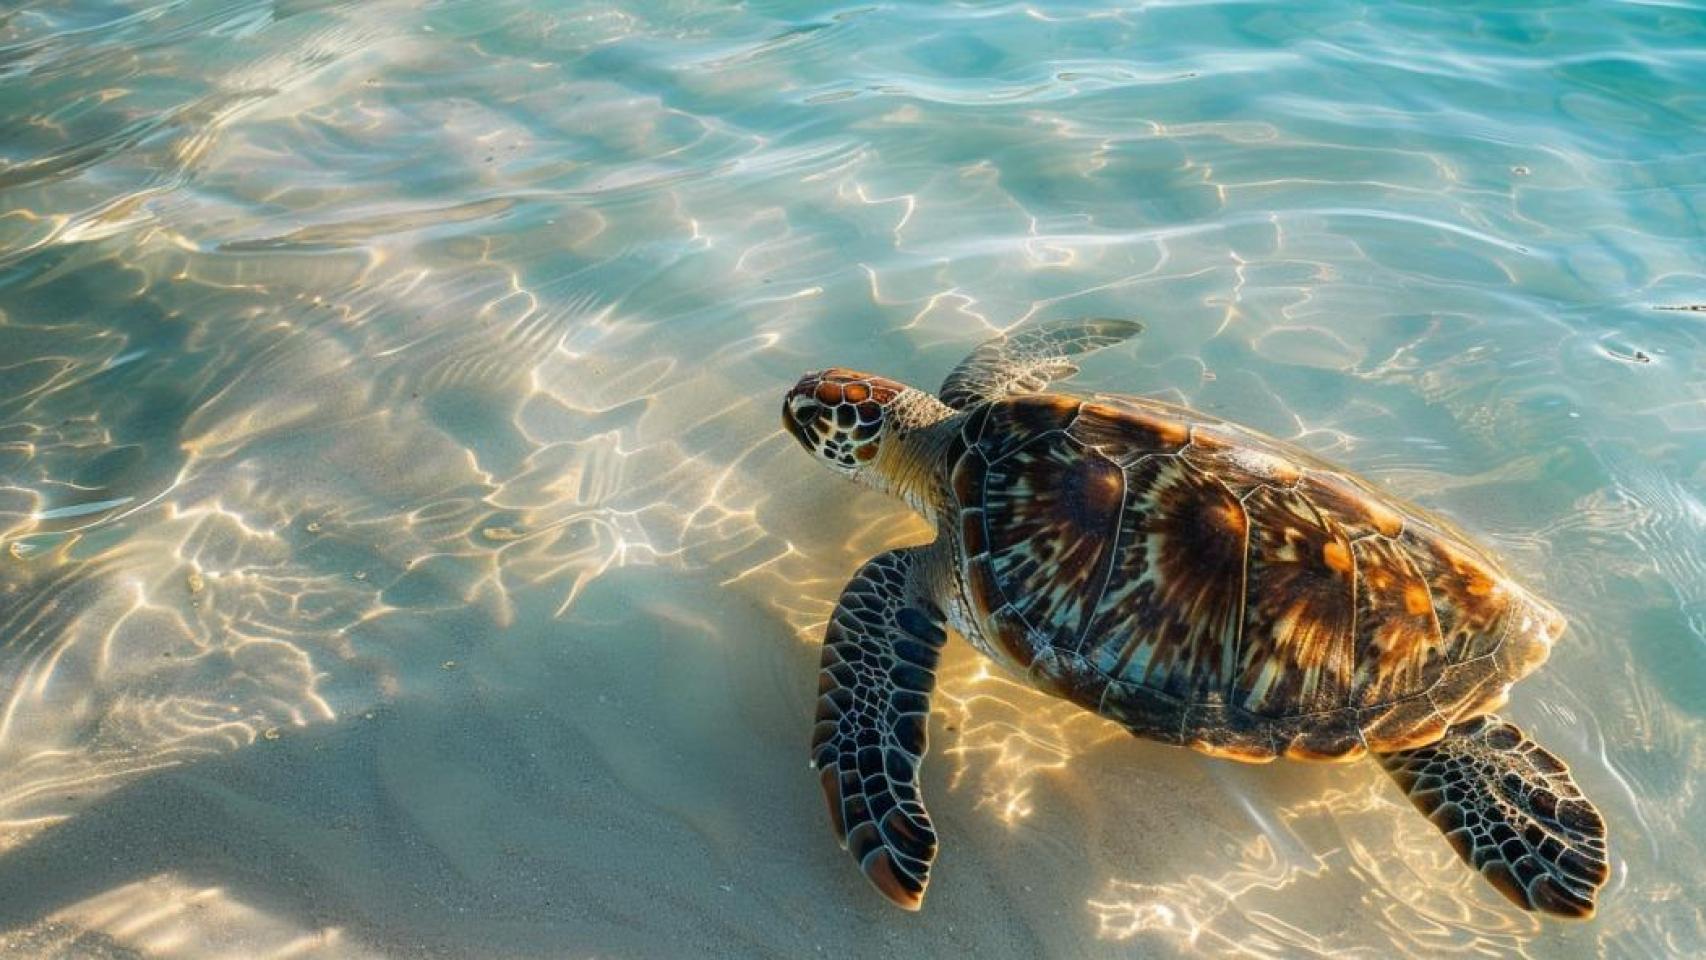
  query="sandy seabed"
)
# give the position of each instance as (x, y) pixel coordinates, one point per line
(400, 556)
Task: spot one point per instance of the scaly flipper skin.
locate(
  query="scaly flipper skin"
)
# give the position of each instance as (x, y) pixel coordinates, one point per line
(1512, 812)
(878, 669)
(1027, 361)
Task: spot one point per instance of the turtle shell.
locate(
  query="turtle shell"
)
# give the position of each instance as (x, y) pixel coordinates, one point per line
(1208, 586)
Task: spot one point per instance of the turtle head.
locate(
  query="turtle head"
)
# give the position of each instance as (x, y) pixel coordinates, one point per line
(840, 416)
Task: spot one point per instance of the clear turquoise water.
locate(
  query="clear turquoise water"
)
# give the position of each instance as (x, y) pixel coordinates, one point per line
(401, 558)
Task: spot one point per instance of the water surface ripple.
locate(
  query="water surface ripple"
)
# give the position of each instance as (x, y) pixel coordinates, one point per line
(399, 555)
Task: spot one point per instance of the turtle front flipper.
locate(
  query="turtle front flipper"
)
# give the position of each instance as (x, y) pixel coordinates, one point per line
(1512, 811)
(1027, 361)
(878, 669)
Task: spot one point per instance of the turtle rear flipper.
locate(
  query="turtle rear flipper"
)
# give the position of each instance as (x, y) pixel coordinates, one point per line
(1512, 811)
(1025, 362)
(878, 669)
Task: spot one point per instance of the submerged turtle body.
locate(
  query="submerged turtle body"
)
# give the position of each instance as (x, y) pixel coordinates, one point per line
(1199, 583)
(1207, 586)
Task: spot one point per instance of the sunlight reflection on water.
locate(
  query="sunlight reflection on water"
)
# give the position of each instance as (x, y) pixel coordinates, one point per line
(401, 555)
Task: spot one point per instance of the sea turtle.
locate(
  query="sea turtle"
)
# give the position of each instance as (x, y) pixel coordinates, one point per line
(1194, 581)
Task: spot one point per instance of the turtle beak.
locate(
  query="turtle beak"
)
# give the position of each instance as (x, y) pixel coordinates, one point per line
(799, 411)
(795, 430)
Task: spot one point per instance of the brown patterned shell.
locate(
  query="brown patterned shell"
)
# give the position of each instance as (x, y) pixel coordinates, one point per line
(1208, 586)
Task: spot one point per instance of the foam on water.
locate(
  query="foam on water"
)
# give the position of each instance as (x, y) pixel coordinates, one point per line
(399, 555)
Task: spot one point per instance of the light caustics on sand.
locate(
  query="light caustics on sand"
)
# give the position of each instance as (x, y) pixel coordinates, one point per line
(379, 359)
(172, 919)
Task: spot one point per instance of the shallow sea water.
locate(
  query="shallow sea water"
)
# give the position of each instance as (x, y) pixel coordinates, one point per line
(399, 555)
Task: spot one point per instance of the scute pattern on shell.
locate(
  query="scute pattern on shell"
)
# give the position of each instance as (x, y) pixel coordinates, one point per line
(1298, 653)
(1174, 599)
(1051, 512)
(1209, 586)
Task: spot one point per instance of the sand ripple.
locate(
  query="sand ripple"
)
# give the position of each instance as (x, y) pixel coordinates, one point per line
(399, 554)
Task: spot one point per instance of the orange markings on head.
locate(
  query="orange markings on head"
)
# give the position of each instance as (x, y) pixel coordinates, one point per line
(866, 452)
(1416, 602)
(856, 392)
(828, 392)
(1479, 586)
(1336, 557)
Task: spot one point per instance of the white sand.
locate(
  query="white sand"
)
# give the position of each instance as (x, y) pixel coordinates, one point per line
(456, 593)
